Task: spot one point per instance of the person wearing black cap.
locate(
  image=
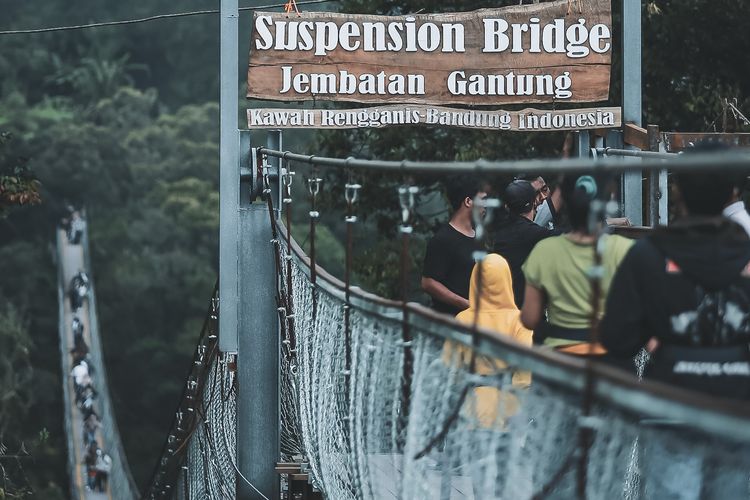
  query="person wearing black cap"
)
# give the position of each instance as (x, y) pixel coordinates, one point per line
(516, 234)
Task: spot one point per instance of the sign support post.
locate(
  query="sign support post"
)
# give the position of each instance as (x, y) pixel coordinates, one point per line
(248, 325)
(632, 186)
(229, 178)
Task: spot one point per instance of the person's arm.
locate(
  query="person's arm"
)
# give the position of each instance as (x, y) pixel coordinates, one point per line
(534, 303)
(556, 203)
(440, 292)
(624, 329)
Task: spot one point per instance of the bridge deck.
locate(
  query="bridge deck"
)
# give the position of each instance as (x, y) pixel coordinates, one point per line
(443, 483)
(72, 262)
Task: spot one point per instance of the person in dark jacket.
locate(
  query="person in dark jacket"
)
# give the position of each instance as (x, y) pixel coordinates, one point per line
(515, 234)
(686, 290)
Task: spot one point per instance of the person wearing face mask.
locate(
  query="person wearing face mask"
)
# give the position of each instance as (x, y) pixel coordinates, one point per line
(515, 234)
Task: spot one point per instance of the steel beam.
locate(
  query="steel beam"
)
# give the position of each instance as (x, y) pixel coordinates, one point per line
(258, 360)
(583, 149)
(632, 184)
(229, 177)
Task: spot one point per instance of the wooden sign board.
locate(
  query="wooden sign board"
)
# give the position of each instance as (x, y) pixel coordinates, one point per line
(535, 53)
(526, 120)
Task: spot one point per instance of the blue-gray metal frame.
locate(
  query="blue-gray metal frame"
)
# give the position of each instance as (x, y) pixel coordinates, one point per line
(632, 184)
(229, 177)
(258, 359)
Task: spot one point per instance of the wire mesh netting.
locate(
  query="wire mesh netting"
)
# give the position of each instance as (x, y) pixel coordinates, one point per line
(209, 470)
(198, 459)
(372, 429)
(376, 413)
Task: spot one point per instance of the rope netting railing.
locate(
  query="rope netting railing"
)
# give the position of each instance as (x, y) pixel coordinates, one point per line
(507, 441)
(391, 400)
(198, 459)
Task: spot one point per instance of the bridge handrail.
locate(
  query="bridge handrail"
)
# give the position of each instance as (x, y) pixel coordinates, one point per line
(731, 161)
(616, 387)
(175, 448)
(121, 475)
(65, 365)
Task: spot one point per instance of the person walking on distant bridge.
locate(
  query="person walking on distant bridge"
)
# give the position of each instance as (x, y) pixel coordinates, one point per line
(449, 257)
(90, 426)
(90, 462)
(103, 467)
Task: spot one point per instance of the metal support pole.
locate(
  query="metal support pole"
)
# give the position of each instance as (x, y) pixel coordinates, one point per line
(582, 144)
(246, 290)
(248, 181)
(274, 141)
(229, 178)
(632, 186)
(258, 360)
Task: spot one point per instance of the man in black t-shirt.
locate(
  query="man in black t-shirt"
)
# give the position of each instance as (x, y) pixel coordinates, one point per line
(449, 261)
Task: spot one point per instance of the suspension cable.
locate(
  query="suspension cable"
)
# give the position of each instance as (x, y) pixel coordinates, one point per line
(313, 187)
(732, 160)
(406, 196)
(290, 341)
(148, 19)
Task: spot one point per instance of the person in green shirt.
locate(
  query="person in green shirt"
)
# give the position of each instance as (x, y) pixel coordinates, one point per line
(557, 276)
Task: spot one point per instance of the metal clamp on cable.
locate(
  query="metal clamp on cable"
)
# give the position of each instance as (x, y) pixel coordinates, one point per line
(590, 422)
(483, 212)
(287, 179)
(351, 193)
(406, 196)
(266, 177)
(313, 186)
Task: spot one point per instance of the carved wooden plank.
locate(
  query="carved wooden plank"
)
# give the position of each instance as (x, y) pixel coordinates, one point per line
(635, 136)
(527, 120)
(458, 58)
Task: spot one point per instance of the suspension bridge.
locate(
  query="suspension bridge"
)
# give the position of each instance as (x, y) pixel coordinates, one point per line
(377, 398)
(304, 386)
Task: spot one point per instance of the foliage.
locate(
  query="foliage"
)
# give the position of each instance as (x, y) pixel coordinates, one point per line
(18, 186)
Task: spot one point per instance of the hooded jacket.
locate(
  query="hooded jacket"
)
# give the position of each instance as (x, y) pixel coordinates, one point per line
(688, 286)
(496, 311)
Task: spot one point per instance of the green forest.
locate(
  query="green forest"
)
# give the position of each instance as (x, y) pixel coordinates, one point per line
(123, 121)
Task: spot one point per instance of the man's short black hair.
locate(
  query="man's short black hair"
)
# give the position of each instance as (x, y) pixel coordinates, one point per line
(526, 176)
(460, 187)
(706, 193)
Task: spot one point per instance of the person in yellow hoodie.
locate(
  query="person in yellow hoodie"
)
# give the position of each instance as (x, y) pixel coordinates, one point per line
(487, 409)
(493, 309)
